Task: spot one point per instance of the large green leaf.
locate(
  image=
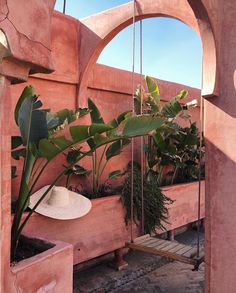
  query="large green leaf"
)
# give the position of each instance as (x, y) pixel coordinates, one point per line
(141, 125)
(66, 115)
(82, 133)
(191, 139)
(159, 140)
(73, 156)
(49, 148)
(82, 111)
(153, 88)
(28, 91)
(99, 128)
(114, 149)
(79, 133)
(32, 121)
(174, 108)
(123, 116)
(154, 95)
(99, 139)
(94, 112)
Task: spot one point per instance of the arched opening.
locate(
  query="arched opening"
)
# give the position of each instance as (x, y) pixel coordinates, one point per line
(171, 51)
(195, 16)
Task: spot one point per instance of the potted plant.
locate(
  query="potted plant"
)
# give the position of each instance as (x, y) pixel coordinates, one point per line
(172, 156)
(42, 142)
(94, 238)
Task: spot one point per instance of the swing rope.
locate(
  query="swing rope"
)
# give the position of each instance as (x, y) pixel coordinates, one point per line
(132, 141)
(142, 138)
(64, 6)
(142, 141)
(199, 177)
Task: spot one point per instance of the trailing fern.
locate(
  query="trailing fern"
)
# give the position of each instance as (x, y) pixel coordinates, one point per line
(155, 202)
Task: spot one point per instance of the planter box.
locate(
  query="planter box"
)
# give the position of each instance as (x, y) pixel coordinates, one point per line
(49, 271)
(184, 210)
(103, 229)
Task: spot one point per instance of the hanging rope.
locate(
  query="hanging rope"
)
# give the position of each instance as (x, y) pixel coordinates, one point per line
(142, 138)
(136, 246)
(132, 141)
(199, 178)
(64, 7)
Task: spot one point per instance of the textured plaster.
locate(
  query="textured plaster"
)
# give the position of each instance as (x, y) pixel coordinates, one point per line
(20, 22)
(215, 21)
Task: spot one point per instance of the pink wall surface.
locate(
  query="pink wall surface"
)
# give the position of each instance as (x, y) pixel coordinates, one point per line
(110, 88)
(214, 20)
(91, 238)
(49, 271)
(215, 23)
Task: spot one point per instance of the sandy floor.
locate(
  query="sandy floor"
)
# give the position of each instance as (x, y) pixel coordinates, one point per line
(145, 273)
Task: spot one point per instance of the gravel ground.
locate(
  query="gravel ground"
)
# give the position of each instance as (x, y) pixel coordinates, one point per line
(145, 274)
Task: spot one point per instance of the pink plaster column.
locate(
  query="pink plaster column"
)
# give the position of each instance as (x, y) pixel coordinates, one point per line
(5, 182)
(25, 46)
(220, 137)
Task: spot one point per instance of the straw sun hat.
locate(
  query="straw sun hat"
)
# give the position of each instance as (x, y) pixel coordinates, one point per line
(60, 203)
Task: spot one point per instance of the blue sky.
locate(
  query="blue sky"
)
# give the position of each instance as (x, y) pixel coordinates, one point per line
(171, 50)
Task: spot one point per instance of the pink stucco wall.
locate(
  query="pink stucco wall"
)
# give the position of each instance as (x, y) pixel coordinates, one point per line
(49, 271)
(216, 27)
(110, 88)
(91, 238)
(215, 23)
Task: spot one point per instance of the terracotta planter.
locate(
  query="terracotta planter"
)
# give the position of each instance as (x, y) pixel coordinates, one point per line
(184, 210)
(103, 229)
(49, 271)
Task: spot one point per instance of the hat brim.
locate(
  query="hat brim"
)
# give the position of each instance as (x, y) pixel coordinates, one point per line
(79, 206)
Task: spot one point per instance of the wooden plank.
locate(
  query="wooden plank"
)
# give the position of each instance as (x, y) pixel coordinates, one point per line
(158, 243)
(159, 252)
(178, 247)
(184, 249)
(170, 246)
(150, 241)
(172, 250)
(191, 253)
(142, 238)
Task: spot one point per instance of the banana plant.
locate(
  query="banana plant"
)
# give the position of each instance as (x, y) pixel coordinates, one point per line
(35, 125)
(171, 145)
(41, 142)
(109, 151)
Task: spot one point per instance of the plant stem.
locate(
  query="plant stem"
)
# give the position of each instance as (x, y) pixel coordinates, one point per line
(68, 180)
(35, 172)
(100, 167)
(160, 173)
(93, 171)
(17, 233)
(174, 175)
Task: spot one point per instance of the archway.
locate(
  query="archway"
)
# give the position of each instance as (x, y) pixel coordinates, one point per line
(98, 30)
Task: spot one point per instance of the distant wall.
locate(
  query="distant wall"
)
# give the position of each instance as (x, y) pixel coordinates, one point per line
(110, 88)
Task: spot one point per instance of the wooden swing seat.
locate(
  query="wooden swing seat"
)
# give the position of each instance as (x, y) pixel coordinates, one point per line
(169, 249)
